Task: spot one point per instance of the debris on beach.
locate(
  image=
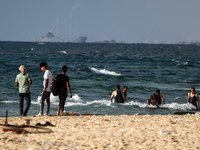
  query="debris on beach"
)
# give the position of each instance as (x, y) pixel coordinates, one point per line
(71, 114)
(164, 132)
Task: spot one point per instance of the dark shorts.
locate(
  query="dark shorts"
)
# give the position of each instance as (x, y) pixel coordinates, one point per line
(46, 96)
(62, 98)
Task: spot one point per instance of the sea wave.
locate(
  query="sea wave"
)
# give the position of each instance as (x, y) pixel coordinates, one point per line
(175, 106)
(55, 99)
(63, 52)
(141, 105)
(75, 101)
(9, 101)
(104, 71)
(96, 103)
(99, 103)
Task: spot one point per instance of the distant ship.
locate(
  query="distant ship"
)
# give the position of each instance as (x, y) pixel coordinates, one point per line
(51, 38)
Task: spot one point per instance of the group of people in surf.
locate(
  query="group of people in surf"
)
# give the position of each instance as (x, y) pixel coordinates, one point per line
(155, 99)
(24, 81)
(120, 96)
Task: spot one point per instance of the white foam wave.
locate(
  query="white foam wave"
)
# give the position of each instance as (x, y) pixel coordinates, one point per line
(8, 102)
(77, 101)
(174, 106)
(63, 52)
(177, 97)
(55, 99)
(141, 105)
(104, 71)
(177, 106)
(35, 102)
(96, 103)
(100, 102)
(76, 98)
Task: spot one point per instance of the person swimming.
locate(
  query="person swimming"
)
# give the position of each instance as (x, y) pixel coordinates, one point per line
(193, 98)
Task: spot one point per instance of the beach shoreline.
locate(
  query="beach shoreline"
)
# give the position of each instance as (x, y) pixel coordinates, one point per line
(106, 132)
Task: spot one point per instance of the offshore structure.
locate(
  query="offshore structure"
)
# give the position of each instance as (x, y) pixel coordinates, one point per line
(51, 38)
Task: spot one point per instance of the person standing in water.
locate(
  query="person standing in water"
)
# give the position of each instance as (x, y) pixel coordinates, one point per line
(193, 98)
(118, 95)
(63, 82)
(47, 89)
(159, 97)
(24, 81)
(125, 89)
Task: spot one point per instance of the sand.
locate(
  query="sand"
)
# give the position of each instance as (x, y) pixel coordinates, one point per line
(145, 132)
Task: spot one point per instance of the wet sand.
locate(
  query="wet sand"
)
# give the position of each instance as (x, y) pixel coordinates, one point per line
(145, 132)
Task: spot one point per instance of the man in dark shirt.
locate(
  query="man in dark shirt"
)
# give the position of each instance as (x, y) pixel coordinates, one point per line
(159, 97)
(63, 82)
(118, 95)
(193, 98)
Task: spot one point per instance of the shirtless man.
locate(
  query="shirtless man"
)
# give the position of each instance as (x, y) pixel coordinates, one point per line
(193, 98)
(118, 95)
(125, 89)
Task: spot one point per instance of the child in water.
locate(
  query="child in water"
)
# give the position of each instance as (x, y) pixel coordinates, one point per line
(152, 100)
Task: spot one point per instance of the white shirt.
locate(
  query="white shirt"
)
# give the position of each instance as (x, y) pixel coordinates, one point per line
(47, 75)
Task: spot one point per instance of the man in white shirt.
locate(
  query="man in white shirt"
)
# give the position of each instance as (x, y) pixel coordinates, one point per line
(47, 89)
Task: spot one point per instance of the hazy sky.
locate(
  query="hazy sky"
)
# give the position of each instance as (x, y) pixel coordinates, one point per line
(121, 20)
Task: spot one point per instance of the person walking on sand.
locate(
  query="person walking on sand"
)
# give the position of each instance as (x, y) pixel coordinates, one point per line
(63, 82)
(47, 89)
(118, 95)
(193, 98)
(24, 81)
(159, 97)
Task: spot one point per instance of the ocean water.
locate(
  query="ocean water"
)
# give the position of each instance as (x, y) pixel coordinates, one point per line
(95, 69)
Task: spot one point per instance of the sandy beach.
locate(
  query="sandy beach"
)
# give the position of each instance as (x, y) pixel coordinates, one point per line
(145, 132)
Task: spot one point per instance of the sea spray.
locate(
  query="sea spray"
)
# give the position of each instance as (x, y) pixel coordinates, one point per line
(104, 71)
